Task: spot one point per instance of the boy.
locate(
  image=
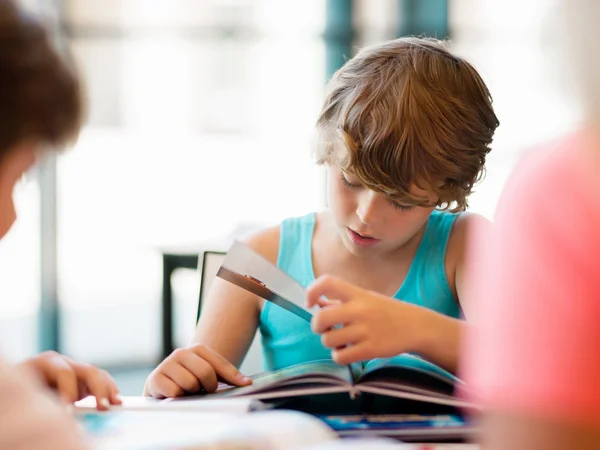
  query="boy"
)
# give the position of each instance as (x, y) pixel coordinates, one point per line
(404, 132)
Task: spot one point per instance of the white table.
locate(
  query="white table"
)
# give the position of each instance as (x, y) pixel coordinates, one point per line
(144, 423)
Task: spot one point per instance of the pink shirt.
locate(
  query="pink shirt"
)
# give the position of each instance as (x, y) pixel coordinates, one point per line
(30, 419)
(535, 346)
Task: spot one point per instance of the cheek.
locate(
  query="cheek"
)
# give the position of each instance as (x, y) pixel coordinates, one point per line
(341, 201)
(7, 206)
(7, 212)
(407, 224)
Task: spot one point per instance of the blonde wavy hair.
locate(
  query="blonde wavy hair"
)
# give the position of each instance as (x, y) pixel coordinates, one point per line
(405, 112)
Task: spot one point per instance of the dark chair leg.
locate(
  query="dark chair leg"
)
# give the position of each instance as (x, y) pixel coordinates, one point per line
(167, 308)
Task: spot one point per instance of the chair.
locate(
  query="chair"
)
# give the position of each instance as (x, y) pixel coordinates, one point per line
(188, 256)
(211, 261)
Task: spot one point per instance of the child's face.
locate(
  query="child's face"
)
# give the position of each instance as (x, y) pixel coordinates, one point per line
(12, 167)
(369, 222)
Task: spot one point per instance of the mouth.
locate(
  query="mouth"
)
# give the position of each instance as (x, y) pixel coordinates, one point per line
(362, 240)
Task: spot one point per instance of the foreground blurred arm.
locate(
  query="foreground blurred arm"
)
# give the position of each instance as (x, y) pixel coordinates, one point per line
(533, 358)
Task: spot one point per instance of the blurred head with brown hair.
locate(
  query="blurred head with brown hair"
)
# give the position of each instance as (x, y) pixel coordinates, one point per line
(405, 127)
(40, 100)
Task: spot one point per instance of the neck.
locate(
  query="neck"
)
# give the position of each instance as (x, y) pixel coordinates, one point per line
(404, 252)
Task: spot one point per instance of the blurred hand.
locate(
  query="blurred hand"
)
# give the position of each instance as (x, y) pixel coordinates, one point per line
(360, 325)
(191, 370)
(73, 380)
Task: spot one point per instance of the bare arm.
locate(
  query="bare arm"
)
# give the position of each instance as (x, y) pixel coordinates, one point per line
(532, 360)
(230, 314)
(442, 342)
(465, 247)
(228, 321)
(227, 326)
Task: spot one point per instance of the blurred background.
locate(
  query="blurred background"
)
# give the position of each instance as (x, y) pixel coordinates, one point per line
(201, 116)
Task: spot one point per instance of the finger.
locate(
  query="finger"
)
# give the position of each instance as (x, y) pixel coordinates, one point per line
(222, 367)
(352, 354)
(330, 287)
(204, 373)
(61, 376)
(94, 380)
(161, 386)
(328, 318)
(341, 337)
(184, 377)
(115, 395)
(328, 303)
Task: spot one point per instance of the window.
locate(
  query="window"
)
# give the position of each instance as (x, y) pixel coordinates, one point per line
(201, 121)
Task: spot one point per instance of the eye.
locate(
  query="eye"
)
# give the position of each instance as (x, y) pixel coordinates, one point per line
(347, 183)
(402, 207)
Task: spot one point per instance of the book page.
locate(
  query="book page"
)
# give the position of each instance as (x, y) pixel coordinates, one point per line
(250, 271)
(411, 377)
(187, 403)
(410, 362)
(314, 375)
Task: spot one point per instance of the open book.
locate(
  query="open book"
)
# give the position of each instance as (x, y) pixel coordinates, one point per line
(407, 376)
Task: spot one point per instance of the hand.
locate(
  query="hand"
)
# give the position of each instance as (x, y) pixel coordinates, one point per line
(191, 370)
(360, 325)
(73, 380)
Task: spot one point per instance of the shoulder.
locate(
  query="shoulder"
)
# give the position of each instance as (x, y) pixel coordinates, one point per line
(454, 227)
(265, 242)
(465, 226)
(466, 238)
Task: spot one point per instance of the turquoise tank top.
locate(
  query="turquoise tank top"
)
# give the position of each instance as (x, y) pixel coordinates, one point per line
(288, 340)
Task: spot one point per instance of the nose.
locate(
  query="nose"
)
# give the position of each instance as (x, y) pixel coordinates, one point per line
(366, 207)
